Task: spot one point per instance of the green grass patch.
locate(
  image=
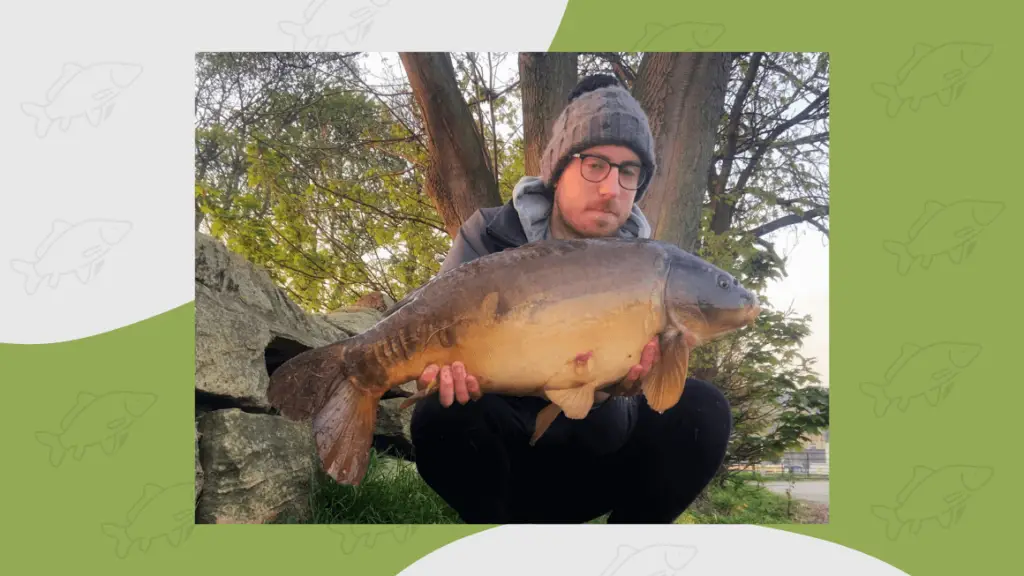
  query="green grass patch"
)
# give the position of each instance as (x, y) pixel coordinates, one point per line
(394, 493)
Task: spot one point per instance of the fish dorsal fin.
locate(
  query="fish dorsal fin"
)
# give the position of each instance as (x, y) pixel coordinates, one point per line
(931, 208)
(650, 32)
(312, 9)
(663, 386)
(920, 51)
(920, 473)
(81, 403)
(574, 402)
(149, 492)
(906, 353)
(59, 228)
(68, 72)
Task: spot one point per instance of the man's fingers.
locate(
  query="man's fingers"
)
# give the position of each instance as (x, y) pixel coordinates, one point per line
(473, 387)
(648, 354)
(634, 374)
(447, 391)
(428, 375)
(459, 376)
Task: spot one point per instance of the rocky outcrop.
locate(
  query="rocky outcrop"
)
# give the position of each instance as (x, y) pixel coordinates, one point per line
(252, 465)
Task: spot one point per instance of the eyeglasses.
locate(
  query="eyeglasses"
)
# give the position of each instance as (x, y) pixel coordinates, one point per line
(596, 169)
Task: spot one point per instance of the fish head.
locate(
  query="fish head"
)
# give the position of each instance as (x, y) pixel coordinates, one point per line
(974, 55)
(124, 75)
(974, 477)
(113, 231)
(705, 301)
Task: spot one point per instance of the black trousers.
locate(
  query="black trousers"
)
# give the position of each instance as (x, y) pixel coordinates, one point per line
(477, 457)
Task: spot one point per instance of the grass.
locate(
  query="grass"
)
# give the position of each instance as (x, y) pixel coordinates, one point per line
(394, 493)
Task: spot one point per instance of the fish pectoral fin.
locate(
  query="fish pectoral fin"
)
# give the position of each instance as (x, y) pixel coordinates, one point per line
(545, 418)
(419, 395)
(575, 402)
(664, 385)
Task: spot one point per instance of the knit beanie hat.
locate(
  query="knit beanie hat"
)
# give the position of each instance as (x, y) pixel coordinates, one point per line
(600, 112)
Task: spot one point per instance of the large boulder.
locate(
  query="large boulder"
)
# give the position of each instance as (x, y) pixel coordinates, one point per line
(246, 327)
(257, 467)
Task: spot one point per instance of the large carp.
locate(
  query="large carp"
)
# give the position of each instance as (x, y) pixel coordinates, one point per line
(559, 319)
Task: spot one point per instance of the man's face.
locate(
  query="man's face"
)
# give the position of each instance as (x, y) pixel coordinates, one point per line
(584, 208)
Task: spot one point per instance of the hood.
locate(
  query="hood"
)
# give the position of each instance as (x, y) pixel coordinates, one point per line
(532, 202)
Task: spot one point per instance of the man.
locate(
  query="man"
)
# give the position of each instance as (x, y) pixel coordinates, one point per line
(624, 458)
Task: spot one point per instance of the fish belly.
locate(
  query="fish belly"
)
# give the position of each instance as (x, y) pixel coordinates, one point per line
(537, 347)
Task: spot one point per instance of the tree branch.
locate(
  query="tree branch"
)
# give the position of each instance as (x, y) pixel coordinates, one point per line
(789, 220)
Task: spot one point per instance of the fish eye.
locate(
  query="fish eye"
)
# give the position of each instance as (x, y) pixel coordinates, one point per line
(723, 282)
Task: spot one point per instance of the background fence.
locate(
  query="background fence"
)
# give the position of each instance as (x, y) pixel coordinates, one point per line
(808, 462)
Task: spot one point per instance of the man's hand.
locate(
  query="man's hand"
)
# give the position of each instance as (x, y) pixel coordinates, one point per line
(628, 385)
(455, 384)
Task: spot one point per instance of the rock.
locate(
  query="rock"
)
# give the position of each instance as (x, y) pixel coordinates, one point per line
(256, 467)
(199, 468)
(250, 463)
(378, 301)
(240, 313)
(353, 320)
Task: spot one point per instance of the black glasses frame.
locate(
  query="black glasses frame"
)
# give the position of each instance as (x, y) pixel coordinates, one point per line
(610, 165)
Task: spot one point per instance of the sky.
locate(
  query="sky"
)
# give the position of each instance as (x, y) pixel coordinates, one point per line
(805, 289)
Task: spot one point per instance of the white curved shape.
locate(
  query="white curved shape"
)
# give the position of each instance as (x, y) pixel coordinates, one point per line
(414, 26)
(642, 550)
(97, 230)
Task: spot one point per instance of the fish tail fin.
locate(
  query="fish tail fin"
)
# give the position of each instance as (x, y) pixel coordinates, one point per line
(899, 249)
(893, 101)
(344, 432)
(892, 522)
(52, 441)
(28, 270)
(119, 533)
(38, 113)
(319, 384)
(877, 393)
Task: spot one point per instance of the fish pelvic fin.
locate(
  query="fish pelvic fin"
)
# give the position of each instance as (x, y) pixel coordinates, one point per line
(575, 402)
(545, 418)
(893, 525)
(664, 385)
(343, 429)
(877, 393)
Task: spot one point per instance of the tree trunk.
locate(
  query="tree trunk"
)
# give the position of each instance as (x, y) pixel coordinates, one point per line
(545, 81)
(458, 179)
(683, 95)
